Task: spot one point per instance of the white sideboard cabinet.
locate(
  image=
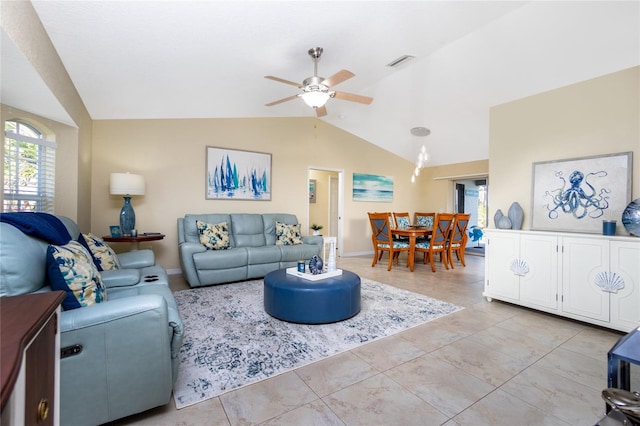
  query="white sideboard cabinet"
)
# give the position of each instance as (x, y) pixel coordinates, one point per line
(592, 278)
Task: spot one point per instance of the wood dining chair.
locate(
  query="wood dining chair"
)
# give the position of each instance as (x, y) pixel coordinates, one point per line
(458, 240)
(438, 241)
(383, 240)
(403, 220)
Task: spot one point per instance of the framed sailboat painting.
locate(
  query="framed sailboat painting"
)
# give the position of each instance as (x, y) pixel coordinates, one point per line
(233, 174)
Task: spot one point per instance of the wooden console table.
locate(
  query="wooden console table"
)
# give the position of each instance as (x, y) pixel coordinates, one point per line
(30, 370)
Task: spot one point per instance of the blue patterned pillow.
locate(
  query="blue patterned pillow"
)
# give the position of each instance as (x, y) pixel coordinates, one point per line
(287, 235)
(71, 269)
(214, 237)
(103, 256)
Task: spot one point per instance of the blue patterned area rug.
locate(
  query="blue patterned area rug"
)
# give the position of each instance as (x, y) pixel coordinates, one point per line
(230, 341)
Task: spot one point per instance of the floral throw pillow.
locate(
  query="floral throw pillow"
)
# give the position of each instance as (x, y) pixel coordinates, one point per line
(214, 237)
(70, 268)
(287, 235)
(103, 256)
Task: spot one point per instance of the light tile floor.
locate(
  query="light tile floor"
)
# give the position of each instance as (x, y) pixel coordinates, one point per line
(489, 364)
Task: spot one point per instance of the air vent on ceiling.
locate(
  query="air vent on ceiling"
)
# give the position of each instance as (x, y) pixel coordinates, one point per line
(401, 60)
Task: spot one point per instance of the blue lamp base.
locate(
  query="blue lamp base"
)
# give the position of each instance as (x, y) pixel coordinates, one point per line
(127, 217)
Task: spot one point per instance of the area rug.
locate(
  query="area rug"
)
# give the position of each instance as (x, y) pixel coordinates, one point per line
(230, 341)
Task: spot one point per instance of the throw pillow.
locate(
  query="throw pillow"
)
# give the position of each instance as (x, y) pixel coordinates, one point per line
(71, 269)
(103, 256)
(287, 235)
(214, 237)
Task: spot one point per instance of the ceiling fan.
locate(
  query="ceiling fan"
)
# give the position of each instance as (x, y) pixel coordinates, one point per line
(316, 91)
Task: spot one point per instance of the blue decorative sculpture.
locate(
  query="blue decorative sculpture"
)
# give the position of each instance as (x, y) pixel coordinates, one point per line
(475, 233)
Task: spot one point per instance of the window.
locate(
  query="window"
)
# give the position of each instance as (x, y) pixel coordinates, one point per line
(29, 169)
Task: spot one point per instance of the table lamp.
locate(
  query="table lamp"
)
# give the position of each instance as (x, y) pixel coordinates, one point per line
(127, 184)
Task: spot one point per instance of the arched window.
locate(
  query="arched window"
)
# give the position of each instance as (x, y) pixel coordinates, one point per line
(29, 169)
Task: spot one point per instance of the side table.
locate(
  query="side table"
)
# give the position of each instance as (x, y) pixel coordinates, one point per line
(625, 352)
(135, 241)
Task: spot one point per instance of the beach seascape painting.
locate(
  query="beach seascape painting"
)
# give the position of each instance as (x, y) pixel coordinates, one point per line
(372, 188)
(237, 175)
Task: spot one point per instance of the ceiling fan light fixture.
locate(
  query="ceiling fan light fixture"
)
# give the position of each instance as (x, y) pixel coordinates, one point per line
(315, 98)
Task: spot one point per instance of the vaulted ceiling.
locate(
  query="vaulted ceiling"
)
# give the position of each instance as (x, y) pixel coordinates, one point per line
(208, 59)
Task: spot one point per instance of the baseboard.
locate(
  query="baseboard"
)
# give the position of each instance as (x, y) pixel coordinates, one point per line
(357, 254)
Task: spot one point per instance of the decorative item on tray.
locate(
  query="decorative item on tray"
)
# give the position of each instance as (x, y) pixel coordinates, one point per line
(315, 265)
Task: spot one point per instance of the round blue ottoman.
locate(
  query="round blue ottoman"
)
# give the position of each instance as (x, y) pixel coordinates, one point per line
(294, 299)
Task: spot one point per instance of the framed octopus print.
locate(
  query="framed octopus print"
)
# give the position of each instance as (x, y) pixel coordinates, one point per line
(577, 194)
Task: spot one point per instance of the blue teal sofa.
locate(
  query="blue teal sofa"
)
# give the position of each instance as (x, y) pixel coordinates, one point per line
(253, 253)
(127, 360)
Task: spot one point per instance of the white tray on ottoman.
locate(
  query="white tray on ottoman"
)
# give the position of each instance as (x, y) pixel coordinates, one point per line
(311, 277)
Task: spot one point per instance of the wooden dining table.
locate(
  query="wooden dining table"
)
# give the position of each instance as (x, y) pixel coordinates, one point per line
(412, 232)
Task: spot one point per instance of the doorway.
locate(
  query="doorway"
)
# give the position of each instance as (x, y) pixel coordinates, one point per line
(470, 196)
(325, 205)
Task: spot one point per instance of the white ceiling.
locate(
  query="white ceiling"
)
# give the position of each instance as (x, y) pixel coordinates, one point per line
(202, 59)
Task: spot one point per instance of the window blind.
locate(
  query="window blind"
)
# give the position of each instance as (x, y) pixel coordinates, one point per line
(29, 170)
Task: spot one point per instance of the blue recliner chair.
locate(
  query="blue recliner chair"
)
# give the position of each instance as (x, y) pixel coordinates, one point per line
(127, 357)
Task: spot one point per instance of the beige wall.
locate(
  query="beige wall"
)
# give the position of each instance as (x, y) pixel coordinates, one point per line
(170, 154)
(598, 116)
(23, 26)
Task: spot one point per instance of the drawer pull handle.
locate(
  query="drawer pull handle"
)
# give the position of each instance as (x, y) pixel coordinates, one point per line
(43, 410)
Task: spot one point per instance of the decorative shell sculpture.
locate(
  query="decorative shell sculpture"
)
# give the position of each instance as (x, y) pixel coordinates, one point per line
(315, 265)
(519, 267)
(609, 281)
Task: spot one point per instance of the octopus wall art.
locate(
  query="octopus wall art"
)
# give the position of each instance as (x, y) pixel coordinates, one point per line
(578, 194)
(580, 197)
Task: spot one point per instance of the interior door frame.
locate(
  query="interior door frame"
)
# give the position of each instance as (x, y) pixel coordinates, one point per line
(340, 199)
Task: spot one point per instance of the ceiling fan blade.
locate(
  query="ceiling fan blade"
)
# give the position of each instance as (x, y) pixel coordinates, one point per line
(282, 80)
(279, 101)
(353, 98)
(321, 111)
(338, 78)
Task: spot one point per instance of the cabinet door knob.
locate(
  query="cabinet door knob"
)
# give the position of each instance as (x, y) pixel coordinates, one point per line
(43, 409)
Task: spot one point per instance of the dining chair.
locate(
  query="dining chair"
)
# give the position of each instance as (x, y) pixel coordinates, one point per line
(383, 239)
(458, 240)
(392, 225)
(438, 241)
(403, 220)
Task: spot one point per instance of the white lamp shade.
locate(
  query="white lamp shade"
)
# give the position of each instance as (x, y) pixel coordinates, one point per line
(126, 184)
(315, 99)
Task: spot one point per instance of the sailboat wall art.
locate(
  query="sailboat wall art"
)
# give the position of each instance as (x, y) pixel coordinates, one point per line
(237, 175)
